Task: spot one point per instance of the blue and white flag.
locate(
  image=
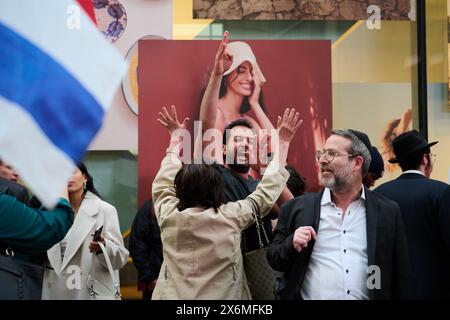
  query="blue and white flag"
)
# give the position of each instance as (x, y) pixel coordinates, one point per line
(58, 75)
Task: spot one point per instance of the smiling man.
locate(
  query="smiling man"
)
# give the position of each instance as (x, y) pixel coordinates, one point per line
(238, 151)
(344, 242)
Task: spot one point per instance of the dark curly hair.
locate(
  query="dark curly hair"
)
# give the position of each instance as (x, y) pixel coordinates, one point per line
(200, 185)
(236, 123)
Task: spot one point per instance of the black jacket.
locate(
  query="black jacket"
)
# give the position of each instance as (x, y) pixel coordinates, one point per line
(145, 244)
(238, 188)
(386, 245)
(14, 189)
(427, 225)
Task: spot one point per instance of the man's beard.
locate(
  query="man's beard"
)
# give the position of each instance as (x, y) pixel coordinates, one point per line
(336, 181)
(330, 182)
(239, 168)
(241, 165)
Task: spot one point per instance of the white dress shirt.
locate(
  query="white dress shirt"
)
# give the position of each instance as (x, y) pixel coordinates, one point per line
(338, 265)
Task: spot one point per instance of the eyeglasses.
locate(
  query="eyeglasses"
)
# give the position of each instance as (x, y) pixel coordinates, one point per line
(330, 155)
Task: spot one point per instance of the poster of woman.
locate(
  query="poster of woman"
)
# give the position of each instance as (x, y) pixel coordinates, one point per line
(260, 80)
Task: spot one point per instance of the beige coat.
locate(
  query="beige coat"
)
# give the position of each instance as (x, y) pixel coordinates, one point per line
(68, 276)
(201, 248)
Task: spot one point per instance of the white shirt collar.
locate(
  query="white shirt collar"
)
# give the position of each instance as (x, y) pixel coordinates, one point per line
(326, 197)
(413, 171)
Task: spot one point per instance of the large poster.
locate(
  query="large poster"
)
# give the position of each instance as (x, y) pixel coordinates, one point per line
(297, 73)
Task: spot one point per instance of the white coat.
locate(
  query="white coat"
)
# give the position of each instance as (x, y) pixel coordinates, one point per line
(66, 277)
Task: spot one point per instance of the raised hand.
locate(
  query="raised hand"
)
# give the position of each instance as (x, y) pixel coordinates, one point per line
(95, 247)
(170, 120)
(288, 125)
(223, 59)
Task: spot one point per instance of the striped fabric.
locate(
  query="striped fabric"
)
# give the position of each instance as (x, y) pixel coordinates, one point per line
(56, 83)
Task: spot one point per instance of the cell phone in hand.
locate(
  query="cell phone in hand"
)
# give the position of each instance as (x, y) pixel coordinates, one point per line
(97, 234)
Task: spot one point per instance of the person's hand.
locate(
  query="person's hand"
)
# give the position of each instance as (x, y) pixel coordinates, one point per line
(302, 236)
(267, 145)
(288, 125)
(95, 247)
(170, 120)
(253, 100)
(223, 59)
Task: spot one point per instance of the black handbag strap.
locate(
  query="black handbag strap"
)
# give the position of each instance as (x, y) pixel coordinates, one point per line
(258, 220)
(259, 224)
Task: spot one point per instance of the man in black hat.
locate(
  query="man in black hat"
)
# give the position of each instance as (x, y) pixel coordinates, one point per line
(345, 242)
(420, 199)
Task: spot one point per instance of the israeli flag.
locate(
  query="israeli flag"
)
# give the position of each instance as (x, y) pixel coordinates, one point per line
(58, 75)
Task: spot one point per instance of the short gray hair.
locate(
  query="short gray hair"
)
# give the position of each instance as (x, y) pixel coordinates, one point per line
(357, 148)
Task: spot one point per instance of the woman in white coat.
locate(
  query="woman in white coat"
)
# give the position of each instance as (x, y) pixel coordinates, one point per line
(70, 261)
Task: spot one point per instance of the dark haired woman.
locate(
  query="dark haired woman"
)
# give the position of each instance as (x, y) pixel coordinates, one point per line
(201, 235)
(70, 261)
(233, 90)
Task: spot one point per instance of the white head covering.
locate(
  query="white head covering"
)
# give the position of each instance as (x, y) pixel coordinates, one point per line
(241, 52)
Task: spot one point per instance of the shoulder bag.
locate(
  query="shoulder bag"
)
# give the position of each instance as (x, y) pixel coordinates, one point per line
(260, 276)
(99, 290)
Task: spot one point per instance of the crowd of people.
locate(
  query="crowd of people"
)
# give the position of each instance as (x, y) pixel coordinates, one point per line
(193, 238)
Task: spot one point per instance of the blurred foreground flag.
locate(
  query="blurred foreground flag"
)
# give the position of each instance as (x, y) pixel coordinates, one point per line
(58, 75)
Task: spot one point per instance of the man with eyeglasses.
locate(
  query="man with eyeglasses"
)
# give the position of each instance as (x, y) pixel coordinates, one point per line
(345, 242)
(427, 225)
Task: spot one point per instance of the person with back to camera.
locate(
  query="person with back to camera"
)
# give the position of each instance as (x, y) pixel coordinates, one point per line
(427, 226)
(201, 234)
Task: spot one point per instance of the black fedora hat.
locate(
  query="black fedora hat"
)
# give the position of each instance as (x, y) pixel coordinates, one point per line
(409, 143)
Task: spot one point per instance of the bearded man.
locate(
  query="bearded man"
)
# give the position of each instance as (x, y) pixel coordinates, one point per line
(239, 141)
(344, 242)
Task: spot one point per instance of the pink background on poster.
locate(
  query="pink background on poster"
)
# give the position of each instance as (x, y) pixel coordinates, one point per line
(298, 74)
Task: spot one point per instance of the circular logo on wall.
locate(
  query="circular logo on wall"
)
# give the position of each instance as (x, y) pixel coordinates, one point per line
(129, 82)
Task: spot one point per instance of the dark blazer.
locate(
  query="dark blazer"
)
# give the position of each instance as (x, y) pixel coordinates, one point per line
(14, 189)
(386, 245)
(427, 227)
(145, 245)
